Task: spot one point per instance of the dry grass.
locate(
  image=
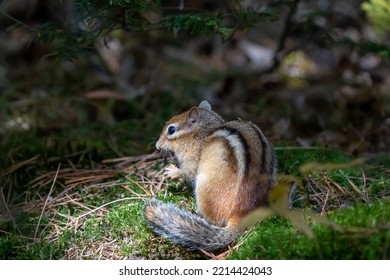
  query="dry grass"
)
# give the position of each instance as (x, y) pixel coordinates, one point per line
(67, 188)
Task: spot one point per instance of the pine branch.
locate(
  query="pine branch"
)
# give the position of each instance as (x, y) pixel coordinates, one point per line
(278, 57)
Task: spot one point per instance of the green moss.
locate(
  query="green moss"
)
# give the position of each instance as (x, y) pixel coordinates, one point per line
(14, 246)
(366, 236)
(290, 160)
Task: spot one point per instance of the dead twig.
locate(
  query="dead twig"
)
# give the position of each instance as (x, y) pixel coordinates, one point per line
(5, 204)
(278, 57)
(325, 201)
(18, 165)
(104, 205)
(132, 159)
(357, 190)
(47, 199)
(138, 185)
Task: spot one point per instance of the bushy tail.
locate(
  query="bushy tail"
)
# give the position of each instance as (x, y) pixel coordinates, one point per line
(185, 228)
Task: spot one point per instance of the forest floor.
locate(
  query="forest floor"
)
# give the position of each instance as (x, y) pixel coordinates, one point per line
(96, 213)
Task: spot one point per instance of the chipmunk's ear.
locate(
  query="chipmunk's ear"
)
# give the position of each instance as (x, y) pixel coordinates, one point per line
(205, 105)
(193, 115)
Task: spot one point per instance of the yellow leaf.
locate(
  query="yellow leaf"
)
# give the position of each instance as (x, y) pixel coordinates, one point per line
(278, 197)
(255, 217)
(297, 218)
(279, 202)
(316, 166)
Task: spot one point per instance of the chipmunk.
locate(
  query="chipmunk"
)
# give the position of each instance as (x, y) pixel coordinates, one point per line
(231, 166)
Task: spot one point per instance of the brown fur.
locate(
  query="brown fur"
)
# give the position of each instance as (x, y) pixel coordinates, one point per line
(231, 166)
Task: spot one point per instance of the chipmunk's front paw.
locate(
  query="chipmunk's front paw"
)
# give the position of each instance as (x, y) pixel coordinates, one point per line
(172, 171)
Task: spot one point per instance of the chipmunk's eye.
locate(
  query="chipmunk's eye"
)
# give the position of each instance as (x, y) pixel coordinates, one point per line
(171, 130)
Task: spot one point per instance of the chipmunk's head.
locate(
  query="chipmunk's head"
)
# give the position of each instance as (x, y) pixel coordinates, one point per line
(181, 130)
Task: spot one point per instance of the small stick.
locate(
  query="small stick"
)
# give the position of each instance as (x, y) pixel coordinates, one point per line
(47, 199)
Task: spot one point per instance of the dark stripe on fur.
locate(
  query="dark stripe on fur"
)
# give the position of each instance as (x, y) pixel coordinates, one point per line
(234, 131)
(264, 150)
